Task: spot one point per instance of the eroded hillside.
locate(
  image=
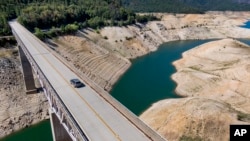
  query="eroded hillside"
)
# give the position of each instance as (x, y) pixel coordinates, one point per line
(214, 77)
(193, 118)
(102, 54)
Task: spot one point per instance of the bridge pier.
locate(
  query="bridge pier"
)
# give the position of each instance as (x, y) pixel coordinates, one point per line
(27, 73)
(58, 131)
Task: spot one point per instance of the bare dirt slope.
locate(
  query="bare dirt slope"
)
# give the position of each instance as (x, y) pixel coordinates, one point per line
(217, 99)
(17, 110)
(97, 63)
(215, 78)
(193, 119)
(219, 69)
(102, 54)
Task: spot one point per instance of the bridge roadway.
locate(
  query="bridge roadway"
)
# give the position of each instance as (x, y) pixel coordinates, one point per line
(95, 117)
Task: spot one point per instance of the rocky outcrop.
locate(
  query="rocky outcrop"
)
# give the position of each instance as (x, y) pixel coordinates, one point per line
(214, 77)
(17, 109)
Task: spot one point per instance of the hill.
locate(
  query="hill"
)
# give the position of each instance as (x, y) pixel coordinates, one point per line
(243, 1)
(186, 6)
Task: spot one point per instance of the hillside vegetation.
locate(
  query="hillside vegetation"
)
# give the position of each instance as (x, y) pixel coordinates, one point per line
(65, 16)
(186, 6)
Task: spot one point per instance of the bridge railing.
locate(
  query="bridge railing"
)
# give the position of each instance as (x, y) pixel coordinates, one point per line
(116, 104)
(148, 131)
(55, 101)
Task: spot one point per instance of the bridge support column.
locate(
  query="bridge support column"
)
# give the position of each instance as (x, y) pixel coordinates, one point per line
(27, 73)
(58, 131)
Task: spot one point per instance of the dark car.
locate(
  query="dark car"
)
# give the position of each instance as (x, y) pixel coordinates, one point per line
(76, 83)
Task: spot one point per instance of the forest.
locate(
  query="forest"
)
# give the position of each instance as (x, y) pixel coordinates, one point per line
(65, 16)
(186, 6)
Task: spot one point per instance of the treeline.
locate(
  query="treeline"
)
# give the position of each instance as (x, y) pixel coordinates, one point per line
(8, 10)
(92, 13)
(218, 5)
(171, 6)
(66, 16)
(185, 6)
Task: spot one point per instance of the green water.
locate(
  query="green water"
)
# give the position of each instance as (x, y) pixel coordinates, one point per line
(148, 79)
(38, 132)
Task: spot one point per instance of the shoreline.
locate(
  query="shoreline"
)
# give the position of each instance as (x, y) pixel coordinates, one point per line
(212, 79)
(145, 39)
(185, 66)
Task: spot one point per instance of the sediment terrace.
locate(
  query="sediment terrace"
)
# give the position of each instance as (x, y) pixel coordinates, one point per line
(103, 54)
(216, 70)
(97, 63)
(214, 78)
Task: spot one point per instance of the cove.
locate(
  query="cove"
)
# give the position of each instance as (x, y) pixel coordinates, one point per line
(148, 80)
(246, 25)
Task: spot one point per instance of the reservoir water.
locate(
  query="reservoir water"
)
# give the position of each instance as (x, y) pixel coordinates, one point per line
(148, 80)
(38, 132)
(247, 24)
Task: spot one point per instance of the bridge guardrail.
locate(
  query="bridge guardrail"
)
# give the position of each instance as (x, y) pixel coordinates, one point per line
(148, 131)
(50, 89)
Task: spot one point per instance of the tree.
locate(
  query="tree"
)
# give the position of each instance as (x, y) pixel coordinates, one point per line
(71, 28)
(39, 33)
(95, 22)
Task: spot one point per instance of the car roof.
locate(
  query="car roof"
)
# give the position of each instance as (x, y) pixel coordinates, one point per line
(75, 80)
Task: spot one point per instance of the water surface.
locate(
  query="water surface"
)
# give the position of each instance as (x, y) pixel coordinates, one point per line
(38, 132)
(148, 80)
(246, 24)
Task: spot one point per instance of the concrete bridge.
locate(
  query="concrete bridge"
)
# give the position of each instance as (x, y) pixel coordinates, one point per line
(77, 114)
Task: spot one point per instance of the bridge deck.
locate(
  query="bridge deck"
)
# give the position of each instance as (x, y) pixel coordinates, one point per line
(97, 118)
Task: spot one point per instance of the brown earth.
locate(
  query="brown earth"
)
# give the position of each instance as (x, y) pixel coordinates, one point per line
(214, 77)
(216, 70)
(17, 109)
(102, 55)
(194, 118)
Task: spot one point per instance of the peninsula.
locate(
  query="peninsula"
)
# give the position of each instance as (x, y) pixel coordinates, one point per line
(213, 79)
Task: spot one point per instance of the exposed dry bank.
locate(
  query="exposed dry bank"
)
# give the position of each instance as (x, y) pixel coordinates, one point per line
(17, 110)
(214, 77)
(103, 54)
(216, 70)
